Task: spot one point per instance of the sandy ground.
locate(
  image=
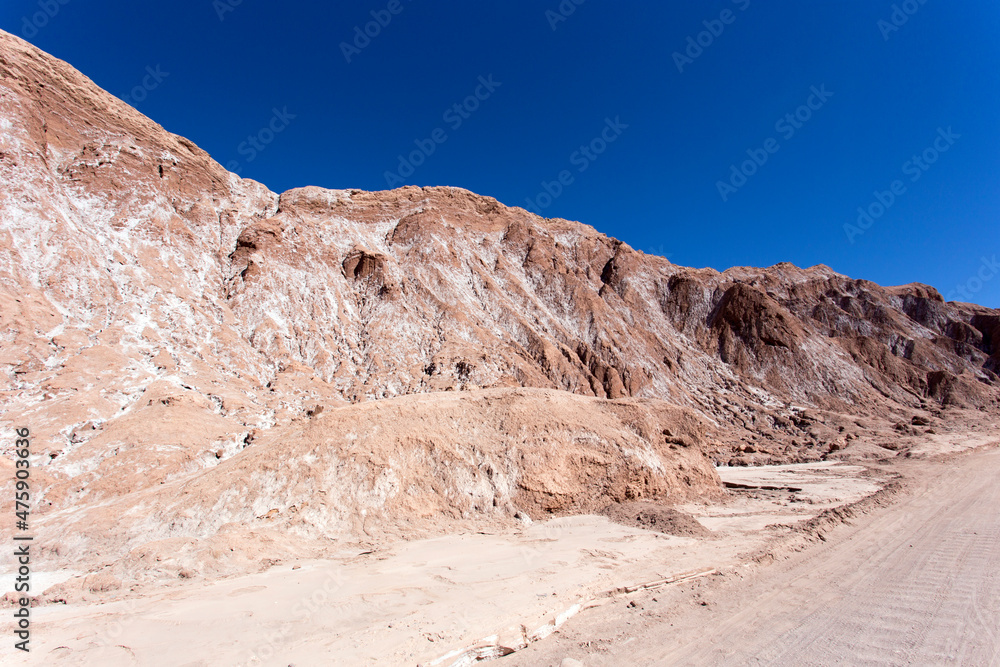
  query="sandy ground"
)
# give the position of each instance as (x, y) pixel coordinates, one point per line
(422, 600)
(914, 583)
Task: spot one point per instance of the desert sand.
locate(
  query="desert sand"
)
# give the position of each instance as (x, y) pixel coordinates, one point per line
(913, 580)
(800, 544)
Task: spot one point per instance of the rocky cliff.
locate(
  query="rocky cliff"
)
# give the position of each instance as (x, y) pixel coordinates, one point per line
(192, 351)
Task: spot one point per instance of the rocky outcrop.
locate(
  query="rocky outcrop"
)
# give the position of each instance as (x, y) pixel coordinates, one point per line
(408, 466)
(170, 326)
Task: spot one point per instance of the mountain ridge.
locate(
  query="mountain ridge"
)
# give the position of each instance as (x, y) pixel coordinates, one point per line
(171, 327)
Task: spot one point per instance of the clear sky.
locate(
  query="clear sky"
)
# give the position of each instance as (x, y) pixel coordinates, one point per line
(680, 147)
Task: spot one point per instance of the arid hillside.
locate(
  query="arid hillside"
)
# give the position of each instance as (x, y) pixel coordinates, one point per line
(199, 358)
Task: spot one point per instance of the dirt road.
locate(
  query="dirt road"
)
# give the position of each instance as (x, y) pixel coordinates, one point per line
(917, 583)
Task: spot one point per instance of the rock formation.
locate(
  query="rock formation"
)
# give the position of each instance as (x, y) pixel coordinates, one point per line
(196, 355)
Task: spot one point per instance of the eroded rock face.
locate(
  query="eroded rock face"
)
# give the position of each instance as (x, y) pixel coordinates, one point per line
(164, 318)
(416, 464)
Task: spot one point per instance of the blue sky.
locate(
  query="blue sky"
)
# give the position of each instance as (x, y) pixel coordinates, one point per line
(665, 126)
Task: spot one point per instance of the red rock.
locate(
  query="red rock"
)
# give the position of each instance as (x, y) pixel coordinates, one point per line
(171, 328)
